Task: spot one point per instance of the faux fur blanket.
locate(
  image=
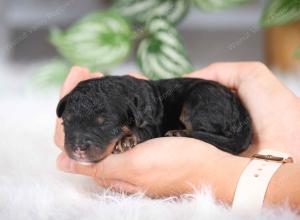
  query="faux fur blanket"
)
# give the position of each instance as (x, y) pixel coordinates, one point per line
(32, 188)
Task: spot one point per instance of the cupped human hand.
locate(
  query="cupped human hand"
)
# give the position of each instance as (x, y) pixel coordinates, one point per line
(159, 167)
(275, 111)
(76, 75)
(173, 166)
(168, 166)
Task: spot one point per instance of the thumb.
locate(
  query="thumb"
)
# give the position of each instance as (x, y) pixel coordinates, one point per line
(66, 164)
(115, 166)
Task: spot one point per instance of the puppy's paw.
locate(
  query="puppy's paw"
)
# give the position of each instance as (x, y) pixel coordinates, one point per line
(176, 133)
(125, 143)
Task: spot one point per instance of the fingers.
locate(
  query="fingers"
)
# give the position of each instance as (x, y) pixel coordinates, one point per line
(232, 75)
(76, 75)
(66, 164)
(137, 75)
(263, 95)
(107, 173)
(59, 134)
(245, 78)
(96, 75)
(112, 167)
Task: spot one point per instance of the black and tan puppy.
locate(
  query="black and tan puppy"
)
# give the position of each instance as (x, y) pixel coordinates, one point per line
(113, 113)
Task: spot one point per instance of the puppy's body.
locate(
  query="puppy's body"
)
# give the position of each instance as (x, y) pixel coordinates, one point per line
(208, 111)
(100, 112)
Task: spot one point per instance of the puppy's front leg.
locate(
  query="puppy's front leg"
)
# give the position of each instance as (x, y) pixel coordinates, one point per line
(134, 136)
(126, 143)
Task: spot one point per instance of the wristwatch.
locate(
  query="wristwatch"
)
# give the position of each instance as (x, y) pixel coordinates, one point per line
(253, 183)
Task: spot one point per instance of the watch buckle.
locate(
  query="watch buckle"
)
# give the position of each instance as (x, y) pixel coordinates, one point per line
(273, 158)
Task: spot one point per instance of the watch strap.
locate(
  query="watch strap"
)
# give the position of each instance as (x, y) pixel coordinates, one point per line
(253, 183)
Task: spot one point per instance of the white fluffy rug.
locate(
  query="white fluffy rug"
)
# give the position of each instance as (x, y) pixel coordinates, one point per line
(32, 188)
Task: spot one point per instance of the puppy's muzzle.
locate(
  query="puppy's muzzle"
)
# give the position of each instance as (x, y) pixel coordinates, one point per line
(80, 151)
(87, 152)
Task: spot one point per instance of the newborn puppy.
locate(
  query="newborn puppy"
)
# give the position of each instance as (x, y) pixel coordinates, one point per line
(114, 113)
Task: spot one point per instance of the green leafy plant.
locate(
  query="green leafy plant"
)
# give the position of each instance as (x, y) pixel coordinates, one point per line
(104, 39)
(51, 74)
(162, 55)
(100, 40)
(140, 11)
(215, 5)
(280, 12)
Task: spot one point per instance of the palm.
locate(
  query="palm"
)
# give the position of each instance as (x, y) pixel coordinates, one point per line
(150, 161)
(275, 113)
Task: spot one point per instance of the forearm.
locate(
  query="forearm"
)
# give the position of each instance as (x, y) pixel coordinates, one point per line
(283, 187)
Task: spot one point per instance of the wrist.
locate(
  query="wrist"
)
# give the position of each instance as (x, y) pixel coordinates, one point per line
(225, 180)
(221, 171)
(284, 187)
(291, 148)
(272, 180)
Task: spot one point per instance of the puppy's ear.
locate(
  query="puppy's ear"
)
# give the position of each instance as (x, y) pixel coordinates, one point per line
(61, 106)
(136, 111)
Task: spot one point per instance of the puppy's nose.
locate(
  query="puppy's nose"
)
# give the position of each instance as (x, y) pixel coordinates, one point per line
(81, 147)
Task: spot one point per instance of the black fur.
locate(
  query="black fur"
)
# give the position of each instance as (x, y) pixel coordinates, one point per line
(100, 111)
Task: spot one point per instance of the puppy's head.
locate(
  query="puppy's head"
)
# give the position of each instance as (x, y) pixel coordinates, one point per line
(91, 126)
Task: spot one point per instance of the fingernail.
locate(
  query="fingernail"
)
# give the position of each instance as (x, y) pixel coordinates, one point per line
(64, 163)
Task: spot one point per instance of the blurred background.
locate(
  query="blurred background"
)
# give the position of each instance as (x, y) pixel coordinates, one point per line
(233, 34)
(227, 35)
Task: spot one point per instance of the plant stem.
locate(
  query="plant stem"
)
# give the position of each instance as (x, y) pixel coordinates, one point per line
(140, 33)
